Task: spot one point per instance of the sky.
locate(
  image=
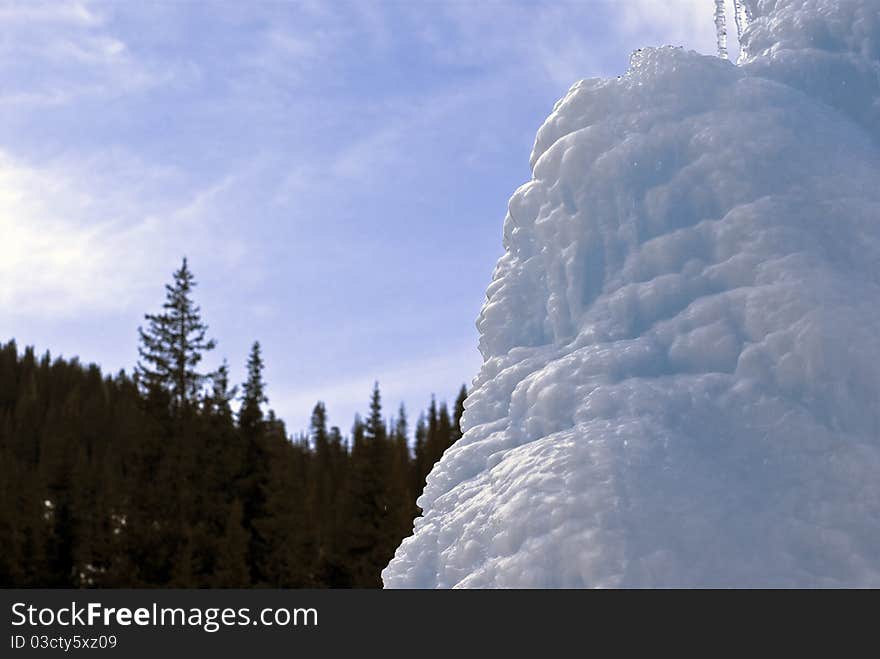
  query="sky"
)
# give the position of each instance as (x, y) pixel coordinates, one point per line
(337, 174)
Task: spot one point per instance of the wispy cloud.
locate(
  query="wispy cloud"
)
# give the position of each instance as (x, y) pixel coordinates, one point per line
(94, 235)
(48, 11)
(385, 144)
(561, 42)
(55, 52)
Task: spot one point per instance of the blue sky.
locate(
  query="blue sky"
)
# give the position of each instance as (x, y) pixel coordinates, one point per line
(336, 172)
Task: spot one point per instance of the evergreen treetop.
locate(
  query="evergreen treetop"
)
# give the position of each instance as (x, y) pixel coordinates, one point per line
(253, 390)
(173, 343)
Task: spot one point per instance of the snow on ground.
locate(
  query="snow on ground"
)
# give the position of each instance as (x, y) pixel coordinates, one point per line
(681, 377)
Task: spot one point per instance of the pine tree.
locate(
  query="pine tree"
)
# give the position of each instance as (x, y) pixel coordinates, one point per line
(375, 428)
(253, 391)
(433, 443)
(421, 461)
(332, 570)
(372, 515)
(320, 436)
(401, 425)
(459, 412)
(285, 556)
(220, 400)
(444, 431)
(401, 490)
(254, 481)
(173, 344)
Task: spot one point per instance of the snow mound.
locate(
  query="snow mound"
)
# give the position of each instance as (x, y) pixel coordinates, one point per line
(681, 342)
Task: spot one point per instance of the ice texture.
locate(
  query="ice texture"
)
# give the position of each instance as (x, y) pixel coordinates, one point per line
(741, 17)
(721, 29)
(681, 342)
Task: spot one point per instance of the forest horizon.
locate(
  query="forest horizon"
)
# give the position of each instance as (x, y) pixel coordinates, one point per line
(174, 477)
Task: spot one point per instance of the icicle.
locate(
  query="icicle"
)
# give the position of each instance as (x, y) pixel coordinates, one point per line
(721, 29)
(741, 16)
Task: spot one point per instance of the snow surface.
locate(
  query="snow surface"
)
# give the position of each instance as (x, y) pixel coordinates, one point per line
(681, 377)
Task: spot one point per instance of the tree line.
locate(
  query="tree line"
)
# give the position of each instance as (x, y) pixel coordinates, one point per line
(160, 479)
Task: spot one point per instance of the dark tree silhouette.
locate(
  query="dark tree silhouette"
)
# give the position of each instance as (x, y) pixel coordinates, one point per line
(156, 480)
(174, 342)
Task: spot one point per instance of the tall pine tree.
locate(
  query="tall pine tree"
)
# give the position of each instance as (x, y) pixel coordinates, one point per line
(173, 343)
(253, 391)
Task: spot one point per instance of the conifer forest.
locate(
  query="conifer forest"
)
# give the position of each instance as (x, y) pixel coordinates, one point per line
(175, 477)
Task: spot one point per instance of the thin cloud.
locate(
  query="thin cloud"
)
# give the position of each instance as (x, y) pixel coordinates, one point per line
(49, 11)
(93, 236)
(70, 52)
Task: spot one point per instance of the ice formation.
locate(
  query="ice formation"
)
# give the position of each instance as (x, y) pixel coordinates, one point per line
(741, 17)
(721, 29)
(681, 377)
